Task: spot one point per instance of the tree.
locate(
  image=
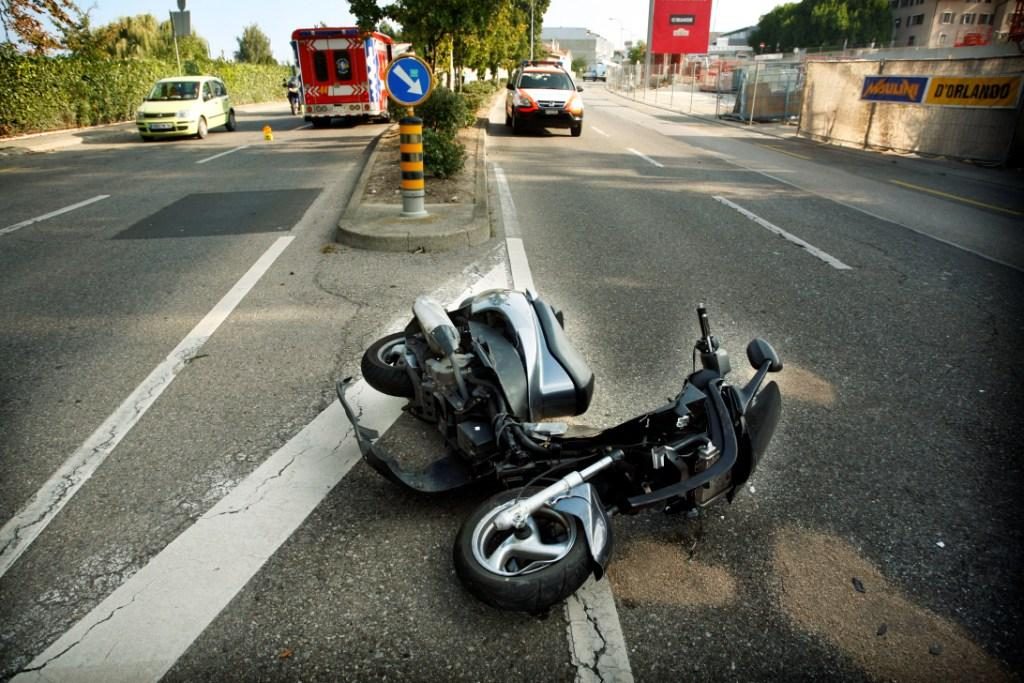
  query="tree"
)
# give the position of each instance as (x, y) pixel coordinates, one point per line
(25, 21)
(254, 47)
(638, 53)
(135, 37)
(819, 23)
(368, 15)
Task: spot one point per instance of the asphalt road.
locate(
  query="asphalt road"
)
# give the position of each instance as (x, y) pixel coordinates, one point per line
(878, 540)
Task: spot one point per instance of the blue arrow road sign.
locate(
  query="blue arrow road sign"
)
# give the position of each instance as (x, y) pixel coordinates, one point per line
(409, 80)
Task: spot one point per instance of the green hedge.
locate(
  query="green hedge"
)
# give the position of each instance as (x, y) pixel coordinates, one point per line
(51, 93)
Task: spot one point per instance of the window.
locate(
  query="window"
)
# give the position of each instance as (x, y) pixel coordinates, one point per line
(911, 40)
(942, 40)
(320, 66)
(985, 19)
(916, 20)
(899, 22)
(947, 17)
(967, 18)
(207, 91)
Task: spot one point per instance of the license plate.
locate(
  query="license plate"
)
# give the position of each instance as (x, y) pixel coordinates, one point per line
(551, 112)
(161, 126)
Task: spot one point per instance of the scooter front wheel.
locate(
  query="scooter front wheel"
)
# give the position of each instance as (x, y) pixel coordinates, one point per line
(529, 571)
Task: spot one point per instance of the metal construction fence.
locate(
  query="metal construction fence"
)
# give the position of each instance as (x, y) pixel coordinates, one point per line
(748, 90)
(698, 86)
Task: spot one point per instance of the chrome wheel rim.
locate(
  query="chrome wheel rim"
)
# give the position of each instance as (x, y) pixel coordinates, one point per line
(552, 535)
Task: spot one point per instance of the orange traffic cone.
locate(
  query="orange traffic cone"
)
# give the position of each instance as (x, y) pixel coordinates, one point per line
(268, 134)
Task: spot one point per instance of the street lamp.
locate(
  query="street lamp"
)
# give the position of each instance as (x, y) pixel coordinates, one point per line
(621, 30)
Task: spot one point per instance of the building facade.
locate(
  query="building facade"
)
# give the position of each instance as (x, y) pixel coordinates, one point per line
(950, 23)
(582, 43)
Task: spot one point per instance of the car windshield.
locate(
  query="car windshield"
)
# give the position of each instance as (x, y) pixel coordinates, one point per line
(175, 90)
(545, 81)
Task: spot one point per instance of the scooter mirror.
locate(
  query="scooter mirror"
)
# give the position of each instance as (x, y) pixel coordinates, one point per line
(759, 352)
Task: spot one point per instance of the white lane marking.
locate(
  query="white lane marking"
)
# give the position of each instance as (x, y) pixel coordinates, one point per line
(645, 157)
(140, 630)
(813, 250)
(19, 226)
(599, 131)
(222, 154)
(522, 279)
(510, 218)
(303, 127)
(20, 531)
(596, 643)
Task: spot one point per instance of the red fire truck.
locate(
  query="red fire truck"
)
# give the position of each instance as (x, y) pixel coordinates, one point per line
(342, 73)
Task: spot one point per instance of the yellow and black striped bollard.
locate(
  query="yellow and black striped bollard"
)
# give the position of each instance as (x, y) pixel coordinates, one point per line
(411, 146)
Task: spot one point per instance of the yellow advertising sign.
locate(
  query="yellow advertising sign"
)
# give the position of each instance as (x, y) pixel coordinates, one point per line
(999, 92)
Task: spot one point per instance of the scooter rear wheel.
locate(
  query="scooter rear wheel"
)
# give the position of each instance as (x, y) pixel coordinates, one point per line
(521, 574)
(384, 369)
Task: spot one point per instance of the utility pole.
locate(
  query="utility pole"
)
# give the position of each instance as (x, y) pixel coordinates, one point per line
(650, 39)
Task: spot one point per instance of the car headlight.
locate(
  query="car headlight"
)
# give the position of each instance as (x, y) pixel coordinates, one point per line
(139, 115)
(184, 114)
(521, 99)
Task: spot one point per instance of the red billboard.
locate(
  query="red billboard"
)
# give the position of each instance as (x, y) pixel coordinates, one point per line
(681, 27)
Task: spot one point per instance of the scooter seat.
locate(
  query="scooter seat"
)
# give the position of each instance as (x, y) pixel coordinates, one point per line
(566, 354)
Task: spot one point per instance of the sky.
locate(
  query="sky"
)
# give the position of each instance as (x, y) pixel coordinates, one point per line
(221, 23)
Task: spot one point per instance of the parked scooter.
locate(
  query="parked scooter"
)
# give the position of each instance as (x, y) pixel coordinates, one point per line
(293, 94)
(489, 375)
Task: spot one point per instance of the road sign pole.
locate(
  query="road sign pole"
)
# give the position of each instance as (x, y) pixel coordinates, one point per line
(409, 82)
(411, 147)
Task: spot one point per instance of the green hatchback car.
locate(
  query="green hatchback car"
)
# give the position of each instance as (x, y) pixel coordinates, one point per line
(185, 105)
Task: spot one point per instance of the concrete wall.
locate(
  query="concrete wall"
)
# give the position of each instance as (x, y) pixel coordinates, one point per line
(833, 111)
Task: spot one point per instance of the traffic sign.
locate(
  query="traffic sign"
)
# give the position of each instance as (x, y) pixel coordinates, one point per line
(409, 80)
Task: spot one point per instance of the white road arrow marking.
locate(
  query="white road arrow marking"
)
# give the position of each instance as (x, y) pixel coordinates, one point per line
(415, 87)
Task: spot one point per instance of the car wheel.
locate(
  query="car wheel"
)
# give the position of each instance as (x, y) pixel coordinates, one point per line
(576, 131)
(517, 127)
(147, 138)
(508, 119)
(231, 124)
(202, 130)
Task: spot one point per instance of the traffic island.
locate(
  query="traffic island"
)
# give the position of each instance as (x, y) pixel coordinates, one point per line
(457, 212)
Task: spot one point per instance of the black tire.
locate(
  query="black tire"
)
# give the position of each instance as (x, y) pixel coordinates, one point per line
(384, 370)
(202, 130)
(320, 122)
(147, 138)
(538, 584)
(517, 128)
(576, 131)
(231, 124)
(508, 119)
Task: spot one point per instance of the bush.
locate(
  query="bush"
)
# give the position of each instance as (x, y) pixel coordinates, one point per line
(444, 112)
(82, 91)
(443, 155)
(480, 87)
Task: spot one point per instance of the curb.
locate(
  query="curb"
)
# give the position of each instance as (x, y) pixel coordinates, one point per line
(356, 197)
(447, 227)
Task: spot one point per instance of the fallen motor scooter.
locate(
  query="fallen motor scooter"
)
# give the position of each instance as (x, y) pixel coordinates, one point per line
(489, 373)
